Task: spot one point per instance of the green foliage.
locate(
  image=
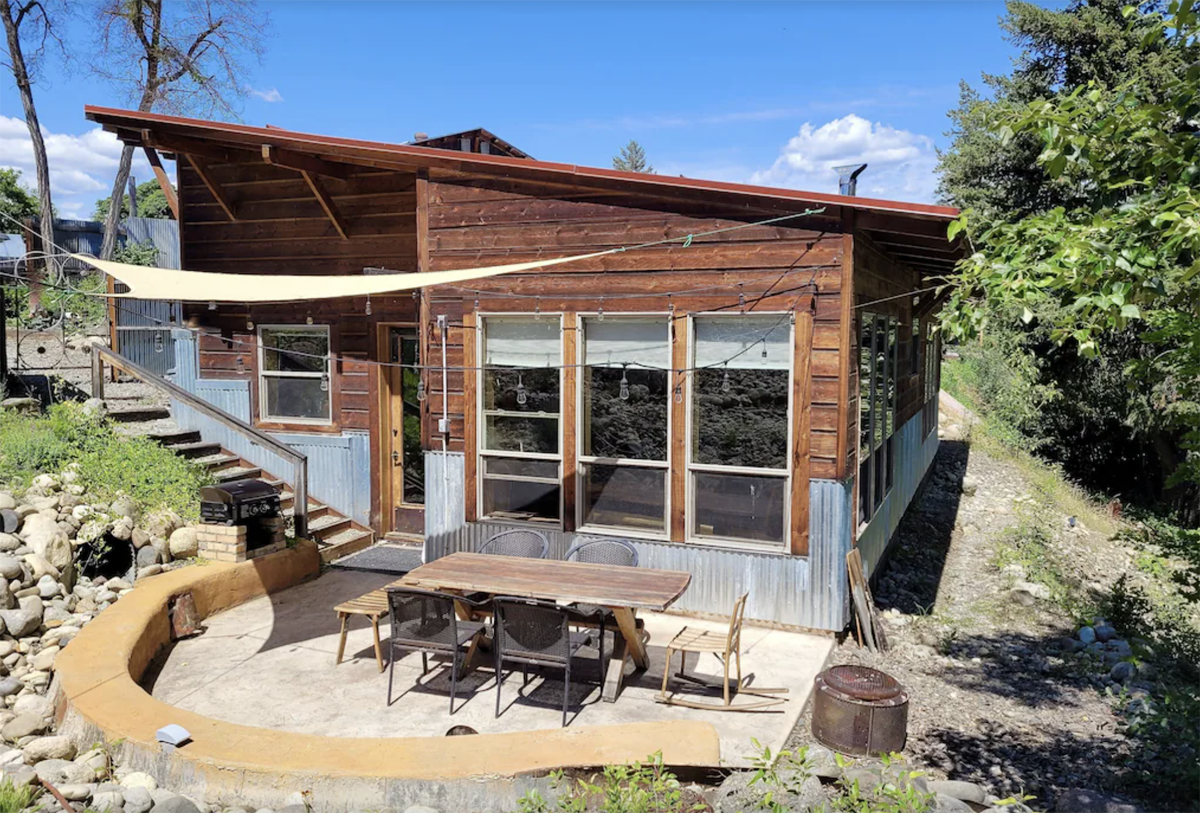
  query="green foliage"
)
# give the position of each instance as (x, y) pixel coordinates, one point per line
(135, 253)
(14, 799)
(894, 792)
(781, 774)
(16, 200)
(108, 464)
(151, 203)
(643, 787)
(632, 158)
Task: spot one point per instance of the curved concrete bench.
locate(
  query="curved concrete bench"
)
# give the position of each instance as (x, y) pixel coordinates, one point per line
(99, 699)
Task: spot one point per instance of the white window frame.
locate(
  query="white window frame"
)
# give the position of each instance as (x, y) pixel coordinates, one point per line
(785, 474)
(264, 374)
(481, 452)
(582, 460)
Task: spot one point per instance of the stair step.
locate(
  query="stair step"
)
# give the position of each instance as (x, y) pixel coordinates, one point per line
(405, 540)
(216, 461)
(343, 543)
(138, 414)
(314, 510)
(174, 438)
(195, 449)
(237, 473)
(324, 523)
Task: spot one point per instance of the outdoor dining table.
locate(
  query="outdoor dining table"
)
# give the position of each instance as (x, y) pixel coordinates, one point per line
(623, 590)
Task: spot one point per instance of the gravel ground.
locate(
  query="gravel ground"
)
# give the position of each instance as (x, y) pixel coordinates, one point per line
(993, 698)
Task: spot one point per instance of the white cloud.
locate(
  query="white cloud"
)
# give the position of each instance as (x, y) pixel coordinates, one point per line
(901, 163)
(270, 96)
(82, 167)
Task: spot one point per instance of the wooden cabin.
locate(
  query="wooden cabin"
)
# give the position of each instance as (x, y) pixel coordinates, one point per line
(746, 405)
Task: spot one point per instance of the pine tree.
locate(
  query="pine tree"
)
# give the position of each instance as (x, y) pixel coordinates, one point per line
(632, 159)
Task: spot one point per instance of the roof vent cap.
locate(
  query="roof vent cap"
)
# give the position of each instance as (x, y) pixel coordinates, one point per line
(848, 178)
(420, 136)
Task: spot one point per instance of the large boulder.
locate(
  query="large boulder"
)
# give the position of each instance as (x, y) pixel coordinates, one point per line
(162, 524)
(39, 567)
(22, 726)
(147, 557)
(43, 536)
(48, 748)
(36, 524)
(125, 507)
(184, 543)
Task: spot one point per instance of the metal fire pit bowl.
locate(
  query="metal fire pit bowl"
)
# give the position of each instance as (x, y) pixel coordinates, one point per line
(859, 711)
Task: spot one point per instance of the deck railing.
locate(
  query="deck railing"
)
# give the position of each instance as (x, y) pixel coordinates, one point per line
(257, 437)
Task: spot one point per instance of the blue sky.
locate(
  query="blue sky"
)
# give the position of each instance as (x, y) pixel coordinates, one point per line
(764, 93)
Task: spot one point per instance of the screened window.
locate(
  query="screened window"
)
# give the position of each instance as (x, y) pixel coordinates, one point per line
(738, 462)
(623, 423)
(878, 344)
(294, 374)
(520, 458)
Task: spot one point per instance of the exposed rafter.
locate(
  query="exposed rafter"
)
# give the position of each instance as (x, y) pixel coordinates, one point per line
(289, 159)
(327, 204)
(172, 143)
(201, 167)
(164, 183)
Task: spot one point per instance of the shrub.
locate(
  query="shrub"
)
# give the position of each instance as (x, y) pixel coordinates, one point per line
(14, 799)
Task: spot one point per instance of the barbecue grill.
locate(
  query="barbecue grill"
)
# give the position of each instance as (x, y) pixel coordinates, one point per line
(859, 711)
(234, 503)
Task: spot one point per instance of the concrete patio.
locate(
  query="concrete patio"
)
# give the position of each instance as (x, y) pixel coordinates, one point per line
(270, 663)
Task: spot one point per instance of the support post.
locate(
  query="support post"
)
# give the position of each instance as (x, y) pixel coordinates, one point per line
(97, 375)
(300, 497)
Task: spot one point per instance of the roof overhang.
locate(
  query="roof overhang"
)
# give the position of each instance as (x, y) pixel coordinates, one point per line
(915, 233)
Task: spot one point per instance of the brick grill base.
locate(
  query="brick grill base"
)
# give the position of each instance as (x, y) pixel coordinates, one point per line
(227, 543)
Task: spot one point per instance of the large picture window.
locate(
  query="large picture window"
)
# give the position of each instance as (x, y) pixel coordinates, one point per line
(878, 354)
(294, 374)
(624, 424)
(520, 455)
(738, 455)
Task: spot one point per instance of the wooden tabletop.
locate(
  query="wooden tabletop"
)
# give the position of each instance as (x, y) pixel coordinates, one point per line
(553, 580)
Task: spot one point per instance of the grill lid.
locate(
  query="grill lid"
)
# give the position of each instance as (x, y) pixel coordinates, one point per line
(239, 491)
(862, 683)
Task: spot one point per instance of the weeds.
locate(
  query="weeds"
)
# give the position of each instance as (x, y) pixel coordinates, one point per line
(644, 787)
(14, 799)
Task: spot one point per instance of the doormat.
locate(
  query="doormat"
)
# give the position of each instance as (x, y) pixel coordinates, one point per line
(395, 559)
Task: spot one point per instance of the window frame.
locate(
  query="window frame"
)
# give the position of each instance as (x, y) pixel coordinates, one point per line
(263, 374)
(690, 467)
(581, 459)
(868, 493)
(482, 453)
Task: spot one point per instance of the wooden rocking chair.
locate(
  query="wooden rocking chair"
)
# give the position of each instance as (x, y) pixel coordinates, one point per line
(725, 646)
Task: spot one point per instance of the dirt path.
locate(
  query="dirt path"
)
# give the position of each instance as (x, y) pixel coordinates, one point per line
(997, 697)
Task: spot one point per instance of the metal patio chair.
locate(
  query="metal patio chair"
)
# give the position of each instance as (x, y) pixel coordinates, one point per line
(532, 632)
(601, 551)
(525, 543)
(426, 622)
(725, 646)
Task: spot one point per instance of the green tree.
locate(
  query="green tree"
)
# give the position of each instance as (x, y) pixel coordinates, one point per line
(15, 199)
(1122, 258)
(632, 159)
(151, 202)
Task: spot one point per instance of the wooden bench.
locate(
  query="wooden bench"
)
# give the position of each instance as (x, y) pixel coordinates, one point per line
(373, 605)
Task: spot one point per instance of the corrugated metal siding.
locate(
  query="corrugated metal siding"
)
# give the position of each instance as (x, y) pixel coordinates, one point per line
(915, 453)
(339, 466)
(807, 592)
(140, 335)
(12, 246)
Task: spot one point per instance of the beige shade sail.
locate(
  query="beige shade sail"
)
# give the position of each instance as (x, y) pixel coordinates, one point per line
(147, 282)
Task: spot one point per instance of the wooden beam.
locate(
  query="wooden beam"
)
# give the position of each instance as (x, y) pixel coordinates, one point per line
(899, 224)
(846, 342)
(191, 146)
(470, 410)
(331, 210)
(931, 301)
(679, 437)
(201, 167)
(569, 407)
(307, 163)
(422, 220)
(801, 430)
(164, 183)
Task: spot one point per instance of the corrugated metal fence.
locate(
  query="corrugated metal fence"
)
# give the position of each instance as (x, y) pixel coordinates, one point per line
(143, 329)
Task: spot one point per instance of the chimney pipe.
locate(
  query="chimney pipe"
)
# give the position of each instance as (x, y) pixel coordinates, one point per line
(420, 136)
(848, 178)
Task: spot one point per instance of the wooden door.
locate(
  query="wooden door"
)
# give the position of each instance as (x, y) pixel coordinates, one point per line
(405, 460)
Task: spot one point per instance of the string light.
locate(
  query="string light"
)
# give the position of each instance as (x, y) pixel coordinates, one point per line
(537, 309)
(212, 306)
(421, 388)
(325, 382)
(158, 342)
(725, 387)
(600, 311)
(241, 365)
(522, 395)
(679, 393)
(368, 305)
(308, 320)
(623, 393)
(741, 299)
(249, 324)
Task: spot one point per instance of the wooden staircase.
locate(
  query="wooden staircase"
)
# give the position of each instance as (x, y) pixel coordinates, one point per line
(335, 534)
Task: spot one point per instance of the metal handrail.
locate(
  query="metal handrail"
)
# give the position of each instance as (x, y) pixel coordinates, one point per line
(256, 436)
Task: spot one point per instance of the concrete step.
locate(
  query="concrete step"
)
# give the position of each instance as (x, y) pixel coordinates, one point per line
(138, 414)
(405, 540)
(194, 449)
(174, 438)
(233, 473)
(327, 524)
(344, 543)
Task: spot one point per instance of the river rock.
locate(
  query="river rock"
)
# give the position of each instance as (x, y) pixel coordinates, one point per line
(124, 506)
(1105, 633)
(7, 602)
(162, 524)
(7, 500)
(44, 660)
(139, 779)
(48, 748)
(9, 542)
(948, 804)
(75, 793)
(20, 623)
(184, 543)
(1078, 800)
(140, 538)
(22, 726)
(110, 800)
(137, 800)
(10, 685)
(1087, 635)
(54, 546)
(1122, 672)
(35, 704)
(47, 586)
(147, 557)
(175, 804)
(957, 789)
(122, 529)
(10, 568)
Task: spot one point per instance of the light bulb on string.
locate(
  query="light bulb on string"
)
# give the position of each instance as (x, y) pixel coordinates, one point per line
(537, 309)
(158, 342)
(212, 306)
(679, 393)
(308, 320)
(421, 389)
(522, 395)
(249, 324)
(623, 393)
(764, 352)
(476, 304)
(325, 382)
(600, 311)
(241, 365)
(368, 306)
(725, 387)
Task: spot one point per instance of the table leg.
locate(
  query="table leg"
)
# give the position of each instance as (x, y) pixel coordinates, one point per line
(345, 617)
(629, 631)
(378, 651)
(616, 670)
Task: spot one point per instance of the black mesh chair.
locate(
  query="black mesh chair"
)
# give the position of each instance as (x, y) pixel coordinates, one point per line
(425, 621)
(528, 544)
(601, 551)
(531, 632)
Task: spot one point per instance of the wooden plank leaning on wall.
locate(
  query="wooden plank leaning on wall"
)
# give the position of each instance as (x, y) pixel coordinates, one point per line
(801, 428)
(470, 431)
(679, 439)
